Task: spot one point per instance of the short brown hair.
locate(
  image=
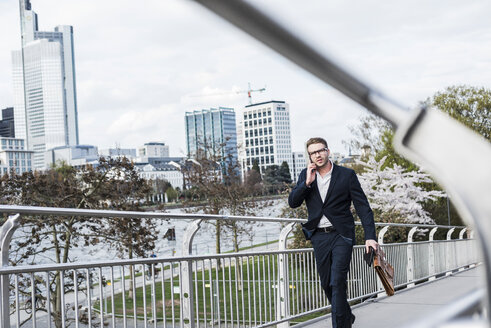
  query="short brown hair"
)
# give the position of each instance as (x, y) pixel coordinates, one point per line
(316, 140)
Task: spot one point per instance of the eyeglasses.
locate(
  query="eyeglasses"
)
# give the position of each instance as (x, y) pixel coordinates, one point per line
(318, 152)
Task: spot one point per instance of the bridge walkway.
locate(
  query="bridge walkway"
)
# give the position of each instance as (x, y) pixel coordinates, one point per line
(411, 304)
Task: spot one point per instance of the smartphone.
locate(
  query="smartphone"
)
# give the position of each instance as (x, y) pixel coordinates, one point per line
(310, 160)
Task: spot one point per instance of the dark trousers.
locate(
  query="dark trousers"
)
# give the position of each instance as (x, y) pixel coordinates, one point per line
(333, 256)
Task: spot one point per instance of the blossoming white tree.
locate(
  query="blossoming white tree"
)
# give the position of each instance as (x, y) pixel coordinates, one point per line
(396, 195)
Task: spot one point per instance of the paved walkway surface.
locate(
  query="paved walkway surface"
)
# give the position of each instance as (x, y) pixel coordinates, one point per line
(410, 304)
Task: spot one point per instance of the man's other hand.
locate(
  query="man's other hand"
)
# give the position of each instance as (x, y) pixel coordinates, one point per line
(372, 243)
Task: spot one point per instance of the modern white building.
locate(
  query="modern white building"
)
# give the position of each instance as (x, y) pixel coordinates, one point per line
(44, 79)
(129, 153)
(14, 156)
(76, 156)
(266, 135)
(153, 150)
(299, 162)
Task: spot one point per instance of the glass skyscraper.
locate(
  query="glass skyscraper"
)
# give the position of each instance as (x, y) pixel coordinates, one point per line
(45, 101)
(210, 130)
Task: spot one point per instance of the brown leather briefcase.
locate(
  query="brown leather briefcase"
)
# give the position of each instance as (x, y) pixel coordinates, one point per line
(385, 271)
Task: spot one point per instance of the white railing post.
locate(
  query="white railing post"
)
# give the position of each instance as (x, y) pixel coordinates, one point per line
(467, 251)
(381, 234)
(431, 255)
(410, 257)
(283, 278)
(187, 296)
(461, 233)
(449, 253)
(6, 232)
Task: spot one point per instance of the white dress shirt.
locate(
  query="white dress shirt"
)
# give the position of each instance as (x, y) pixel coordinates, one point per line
(323, 186)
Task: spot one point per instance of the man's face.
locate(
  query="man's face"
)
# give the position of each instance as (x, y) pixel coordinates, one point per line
(319, 154)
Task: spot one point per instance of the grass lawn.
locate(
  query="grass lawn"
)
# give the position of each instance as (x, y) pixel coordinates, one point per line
(246, 291)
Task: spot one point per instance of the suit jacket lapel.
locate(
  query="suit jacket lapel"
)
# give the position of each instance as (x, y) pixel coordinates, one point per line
(334, 175)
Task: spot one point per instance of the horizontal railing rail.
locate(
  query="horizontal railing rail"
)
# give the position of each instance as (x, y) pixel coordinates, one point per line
(253, 288)
(39, 210)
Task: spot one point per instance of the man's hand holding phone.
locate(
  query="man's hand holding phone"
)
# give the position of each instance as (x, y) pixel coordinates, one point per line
(311, 169)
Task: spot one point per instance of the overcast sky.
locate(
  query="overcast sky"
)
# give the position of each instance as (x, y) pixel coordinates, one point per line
(141, 65)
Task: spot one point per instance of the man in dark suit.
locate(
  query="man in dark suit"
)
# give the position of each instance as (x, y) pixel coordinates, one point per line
(328, 191)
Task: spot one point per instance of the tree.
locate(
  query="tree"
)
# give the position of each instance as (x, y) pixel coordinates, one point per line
(284, 173)
(255, 167)
(469, 105)
(113, 184)
(368, 132)
(214, 182)
(271, 179)
(171, 194)
(253, 182)
(396, 194)
(391, 157)
(277, 178)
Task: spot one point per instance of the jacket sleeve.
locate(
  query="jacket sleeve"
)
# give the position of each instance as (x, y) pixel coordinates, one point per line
(299, 192)
(362, 207)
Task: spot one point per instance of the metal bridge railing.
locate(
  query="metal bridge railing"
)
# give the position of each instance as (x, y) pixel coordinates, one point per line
(254, 289)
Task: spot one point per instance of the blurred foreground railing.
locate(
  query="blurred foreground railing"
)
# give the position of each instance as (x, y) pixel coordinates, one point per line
(259, 289)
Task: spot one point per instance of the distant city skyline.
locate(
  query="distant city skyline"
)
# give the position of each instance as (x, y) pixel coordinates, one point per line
(140, 66)
(45, 98)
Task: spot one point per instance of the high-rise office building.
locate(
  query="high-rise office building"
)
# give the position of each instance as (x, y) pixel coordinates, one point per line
(210, 130)
(266, 135)
(45, 100)
(7, 129)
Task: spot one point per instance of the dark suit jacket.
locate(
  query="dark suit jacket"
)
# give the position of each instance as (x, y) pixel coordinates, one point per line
(344, 188)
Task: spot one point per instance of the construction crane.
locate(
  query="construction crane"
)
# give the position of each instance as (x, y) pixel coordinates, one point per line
(249, 92)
